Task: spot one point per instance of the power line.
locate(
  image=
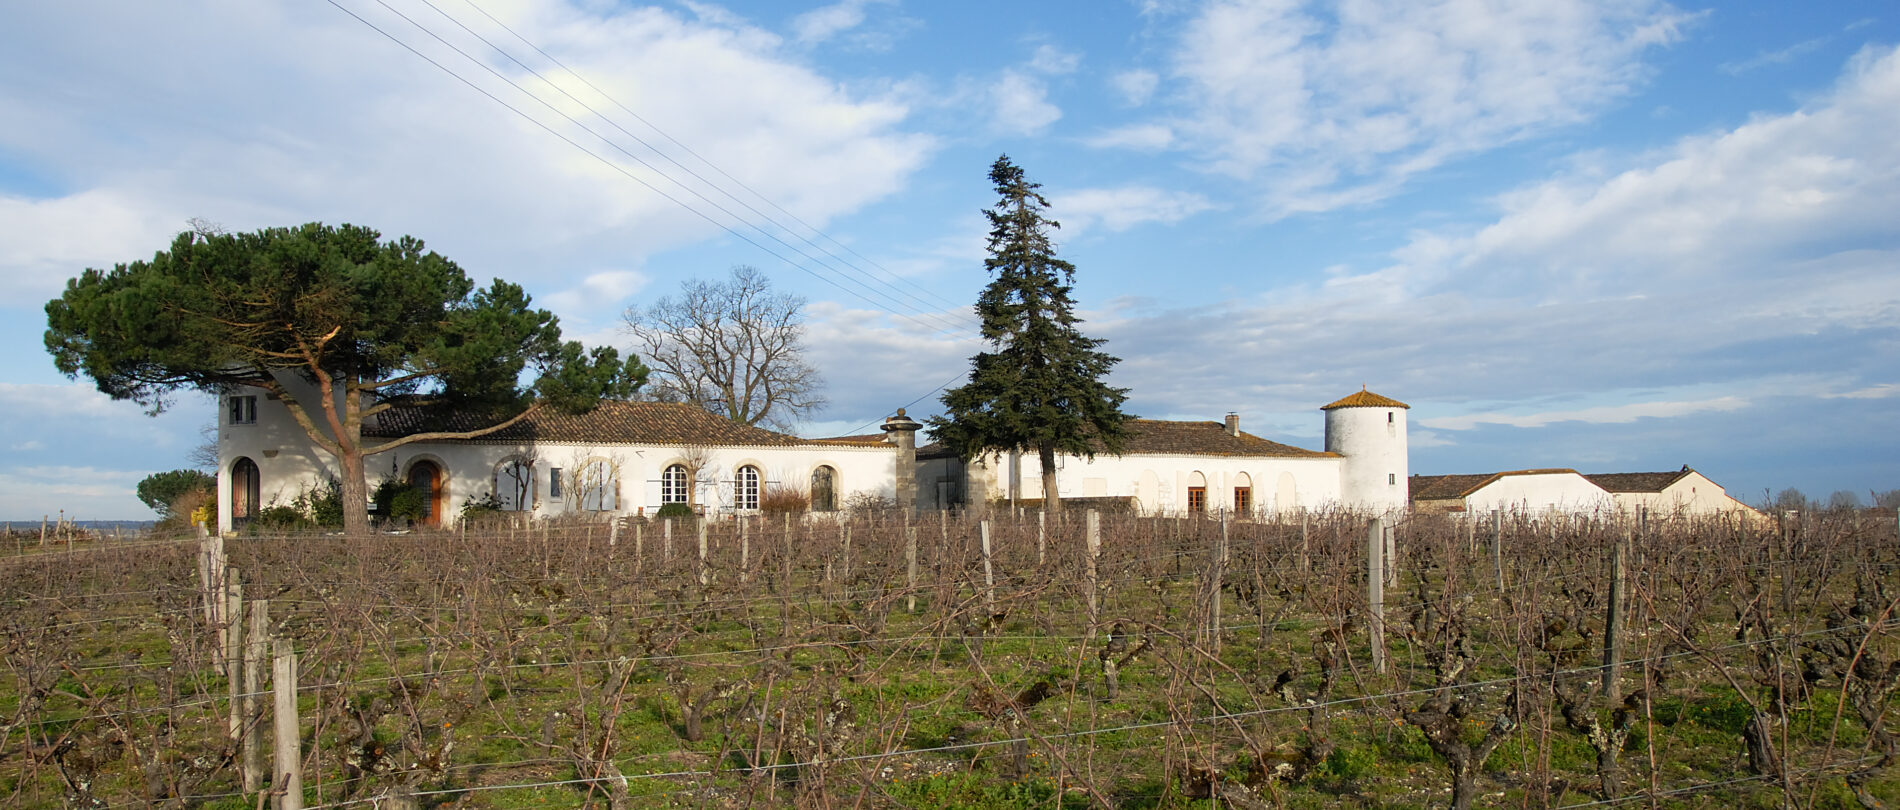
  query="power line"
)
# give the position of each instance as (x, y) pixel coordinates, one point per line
(895, 306)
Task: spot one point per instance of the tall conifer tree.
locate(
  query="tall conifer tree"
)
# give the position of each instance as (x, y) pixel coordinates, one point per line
(1041, 387)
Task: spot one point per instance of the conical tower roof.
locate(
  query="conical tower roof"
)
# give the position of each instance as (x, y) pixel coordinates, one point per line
(1365, 399)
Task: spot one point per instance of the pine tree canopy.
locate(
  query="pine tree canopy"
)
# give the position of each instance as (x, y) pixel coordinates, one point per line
(1041, 387)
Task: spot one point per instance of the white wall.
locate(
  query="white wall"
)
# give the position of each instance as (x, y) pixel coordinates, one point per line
(1160, 482)
(289, 464)
(1540, 493)
(1377, 459)
(1692, 494)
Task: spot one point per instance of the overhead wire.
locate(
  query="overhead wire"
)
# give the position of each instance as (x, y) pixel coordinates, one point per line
(941, 327)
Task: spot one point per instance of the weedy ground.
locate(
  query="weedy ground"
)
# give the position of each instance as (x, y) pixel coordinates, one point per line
(810, 662)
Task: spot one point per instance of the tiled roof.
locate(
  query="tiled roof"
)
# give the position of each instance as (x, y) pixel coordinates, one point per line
(1638, 482)
(1158, 437)
(1155, 436)
(1442, 487)
(1365, 399)
(861, 440)
(610, 423)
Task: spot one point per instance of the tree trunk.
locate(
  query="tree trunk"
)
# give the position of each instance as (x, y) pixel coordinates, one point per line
(355, 495)
(1051, 500)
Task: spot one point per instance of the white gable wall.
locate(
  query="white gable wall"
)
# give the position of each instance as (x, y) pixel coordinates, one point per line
(1540, 493)
(1160, 483)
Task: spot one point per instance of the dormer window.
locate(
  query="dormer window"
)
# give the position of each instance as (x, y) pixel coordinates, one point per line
(242, 410)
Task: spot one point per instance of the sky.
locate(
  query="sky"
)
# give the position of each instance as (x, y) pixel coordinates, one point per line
(1610, 235)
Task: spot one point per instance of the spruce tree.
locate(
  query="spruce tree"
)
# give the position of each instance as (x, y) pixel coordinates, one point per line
(1041, 387)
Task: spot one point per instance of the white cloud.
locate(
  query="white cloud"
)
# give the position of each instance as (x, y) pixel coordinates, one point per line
(1779, 57)
(472, 176)
(1053, 60)
(1135, 86)
(825, 22)
(1881, 391)
(1609, 414)
(1142, 137)
(1334, 109)
(1020, 104)
(1119, 209)
(606, 291)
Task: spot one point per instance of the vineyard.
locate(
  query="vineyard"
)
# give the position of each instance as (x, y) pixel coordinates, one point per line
(945, 662)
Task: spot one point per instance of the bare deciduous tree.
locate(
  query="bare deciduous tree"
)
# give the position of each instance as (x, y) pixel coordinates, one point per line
(733, 347)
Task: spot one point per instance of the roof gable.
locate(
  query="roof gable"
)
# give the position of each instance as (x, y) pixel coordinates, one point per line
(1639, 482)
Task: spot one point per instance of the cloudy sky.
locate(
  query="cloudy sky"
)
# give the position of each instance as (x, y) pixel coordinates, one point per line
(1614, 235)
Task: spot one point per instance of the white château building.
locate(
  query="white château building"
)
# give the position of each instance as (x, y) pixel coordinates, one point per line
(627, 458)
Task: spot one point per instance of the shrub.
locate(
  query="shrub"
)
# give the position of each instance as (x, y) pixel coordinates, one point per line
(323, 505)
(281, 517)
(676, 510)
(187, 504)
(397, 500)
(781, 499)
(476, 509)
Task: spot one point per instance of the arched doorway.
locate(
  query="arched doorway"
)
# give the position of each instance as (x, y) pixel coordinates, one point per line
(244, 491)
(427, 479)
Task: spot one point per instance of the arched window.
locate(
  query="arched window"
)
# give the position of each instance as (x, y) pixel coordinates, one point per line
(244, 487)
(824, 490)
(673, 484)
(1197, 492)
(598, 484)
(1243, 494)
(514, 485)
(427, 479)
(745, 488)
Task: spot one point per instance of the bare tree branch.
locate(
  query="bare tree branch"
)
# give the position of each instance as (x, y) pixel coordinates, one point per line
(735, 348)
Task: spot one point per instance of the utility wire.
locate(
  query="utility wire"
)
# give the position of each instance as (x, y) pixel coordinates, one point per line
(609, 163)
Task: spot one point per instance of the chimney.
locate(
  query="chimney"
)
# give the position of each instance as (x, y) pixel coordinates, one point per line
(1233, 424)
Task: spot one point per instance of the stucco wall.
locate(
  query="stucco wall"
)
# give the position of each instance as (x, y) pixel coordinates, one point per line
(1693, 494)
(1377, 460)
(289, 465)
(1540, 493)
(1160, 482)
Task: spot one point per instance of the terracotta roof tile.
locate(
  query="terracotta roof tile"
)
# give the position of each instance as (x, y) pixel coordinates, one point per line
(861, 440)
(611, 423)
(1638, 482)
(1442, 487)
(1159, 437)
(1365, 399)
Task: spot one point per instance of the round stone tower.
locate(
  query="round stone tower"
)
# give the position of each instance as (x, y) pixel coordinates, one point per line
(1369, 431)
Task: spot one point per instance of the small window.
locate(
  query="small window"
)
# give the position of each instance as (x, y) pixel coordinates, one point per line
(554, 482)
(1392, 478)
(1243, 500)
(1390, 417)
(243, 410)
(745, 488)
(1197, 499)
(673, 484)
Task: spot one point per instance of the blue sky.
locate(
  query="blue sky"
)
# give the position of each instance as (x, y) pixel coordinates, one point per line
(1615, 236)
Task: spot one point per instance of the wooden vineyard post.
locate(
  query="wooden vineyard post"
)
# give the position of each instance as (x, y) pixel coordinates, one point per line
(1375, 592)
(1613, 630)
(910, 568)
(666, 546)
(613, 532)
(745, 548)
(288, 762)
(989, 572)
(705, 568)
(1092, 551)
(234, 653)
(256, 651)
(1391, 555)
(1306, 543)
(1042, 539)
(844, 573)
(639, 545)
(1217, 561)
(1497, 548)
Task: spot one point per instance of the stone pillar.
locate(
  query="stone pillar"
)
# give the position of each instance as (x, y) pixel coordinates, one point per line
(903, 433)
